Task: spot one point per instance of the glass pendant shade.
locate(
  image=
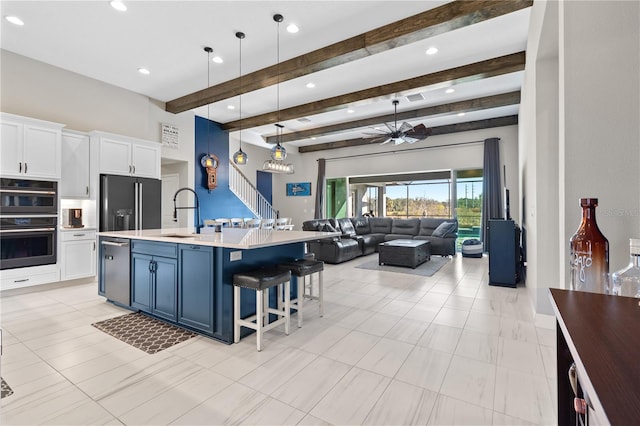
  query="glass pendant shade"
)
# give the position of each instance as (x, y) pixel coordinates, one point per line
(209, 161)
(240, 157)
(278, 152)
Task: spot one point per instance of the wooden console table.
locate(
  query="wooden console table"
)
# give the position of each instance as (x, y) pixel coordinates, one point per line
(601, 334)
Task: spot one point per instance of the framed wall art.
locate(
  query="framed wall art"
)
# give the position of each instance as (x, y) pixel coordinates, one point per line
(300, 189)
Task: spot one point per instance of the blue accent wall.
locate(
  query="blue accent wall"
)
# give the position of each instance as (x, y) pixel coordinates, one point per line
(264, 185)
(220, 202)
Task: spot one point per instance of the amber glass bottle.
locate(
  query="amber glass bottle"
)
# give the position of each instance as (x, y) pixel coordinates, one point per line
(589, 253)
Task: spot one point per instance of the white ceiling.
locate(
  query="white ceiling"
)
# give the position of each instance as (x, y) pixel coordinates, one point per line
(167, 37)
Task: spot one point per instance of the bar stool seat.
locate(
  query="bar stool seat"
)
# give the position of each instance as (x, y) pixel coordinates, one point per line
(261, 280)
(302, 268)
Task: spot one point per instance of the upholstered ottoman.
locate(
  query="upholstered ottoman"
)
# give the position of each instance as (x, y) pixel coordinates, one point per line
(410, 253)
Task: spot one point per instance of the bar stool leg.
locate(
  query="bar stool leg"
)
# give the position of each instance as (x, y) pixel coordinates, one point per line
(236, 314)
(265, 305)
(259, 318)
(320, 295)
(301, 281)
(287, 306)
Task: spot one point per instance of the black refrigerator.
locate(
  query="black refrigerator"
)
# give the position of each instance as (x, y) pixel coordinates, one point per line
(129, 203)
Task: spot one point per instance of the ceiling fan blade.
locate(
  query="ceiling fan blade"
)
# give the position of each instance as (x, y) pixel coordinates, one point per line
(398, 141)
(405, 127)
(387, 141)
(410, 139)
(391, 128)
(419, 132)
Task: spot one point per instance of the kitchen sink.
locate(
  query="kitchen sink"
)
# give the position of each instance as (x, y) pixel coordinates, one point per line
(179, 235)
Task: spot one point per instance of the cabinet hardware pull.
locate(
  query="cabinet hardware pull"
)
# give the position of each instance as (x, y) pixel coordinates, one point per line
(25, 167)
(15, 231)
(22, 280)
(86, 190)
(94, 246)
(20, 167)
(113, 243)
(134, 169)
(27, 191)
(78, 235)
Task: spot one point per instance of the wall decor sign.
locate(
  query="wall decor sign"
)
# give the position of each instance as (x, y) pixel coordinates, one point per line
(299, 189)
(170, 135)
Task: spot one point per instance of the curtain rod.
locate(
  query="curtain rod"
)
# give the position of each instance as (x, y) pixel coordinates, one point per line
(402, 150)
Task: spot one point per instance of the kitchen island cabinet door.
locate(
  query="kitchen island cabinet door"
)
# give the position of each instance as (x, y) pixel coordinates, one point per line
(164, 287)
(141, 279)
(195, 287)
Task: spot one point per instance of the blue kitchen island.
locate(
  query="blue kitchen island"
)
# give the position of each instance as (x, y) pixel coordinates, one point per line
(186, 278)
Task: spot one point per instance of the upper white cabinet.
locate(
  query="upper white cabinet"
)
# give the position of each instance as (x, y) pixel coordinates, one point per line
(120, 155)
(76, 160)
(30, 148)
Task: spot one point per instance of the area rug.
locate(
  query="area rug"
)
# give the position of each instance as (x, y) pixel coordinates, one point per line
(6, 390)
(427, 269)
(143, 332)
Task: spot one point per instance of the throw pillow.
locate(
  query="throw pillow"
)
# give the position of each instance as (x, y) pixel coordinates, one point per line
(443, 229)
(328, 228)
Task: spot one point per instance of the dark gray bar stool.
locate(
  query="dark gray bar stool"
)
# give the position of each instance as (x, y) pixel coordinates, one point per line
(302, 268)
(261, 280)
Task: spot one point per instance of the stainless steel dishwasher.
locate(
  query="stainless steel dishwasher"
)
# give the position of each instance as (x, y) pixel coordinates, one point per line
(116, 265)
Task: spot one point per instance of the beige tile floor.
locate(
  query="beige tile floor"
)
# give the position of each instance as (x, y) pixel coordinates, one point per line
(392, 349)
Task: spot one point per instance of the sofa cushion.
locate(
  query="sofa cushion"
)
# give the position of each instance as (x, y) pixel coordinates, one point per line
(405, 226)
(361, 225)
(380, 225)
(444, 229)
(428, 225)
(346, 226)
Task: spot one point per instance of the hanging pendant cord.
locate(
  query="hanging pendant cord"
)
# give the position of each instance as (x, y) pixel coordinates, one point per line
(240, 37)
(209, 51)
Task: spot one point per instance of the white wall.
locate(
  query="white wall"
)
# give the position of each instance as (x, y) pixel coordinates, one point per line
(579, 133)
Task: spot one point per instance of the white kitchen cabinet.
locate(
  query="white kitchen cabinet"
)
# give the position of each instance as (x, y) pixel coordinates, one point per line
(30, 148)
(77, 253)
(120, 155)
(25, 277)
(76, 180)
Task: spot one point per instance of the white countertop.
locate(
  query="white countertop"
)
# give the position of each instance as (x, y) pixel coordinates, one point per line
(228, 238)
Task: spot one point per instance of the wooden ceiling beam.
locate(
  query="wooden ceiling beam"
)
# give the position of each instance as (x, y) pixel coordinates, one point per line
(462, 74)
(494, 101)
(439, 20)
(439, 130)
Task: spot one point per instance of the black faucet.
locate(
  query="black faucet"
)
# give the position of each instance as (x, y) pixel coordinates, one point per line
(196, 208)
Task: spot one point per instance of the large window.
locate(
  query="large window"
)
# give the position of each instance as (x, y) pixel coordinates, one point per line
(419, 199)
(469, 204)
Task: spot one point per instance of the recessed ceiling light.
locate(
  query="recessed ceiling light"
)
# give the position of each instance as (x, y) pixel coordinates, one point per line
(311, 85)
(293, 28)
(350, 111)
(14, 20)
(450, 90)
(432, 50)
(231, 107)
(118, 5)
(217, 59)
(144, 71)
(460, 114)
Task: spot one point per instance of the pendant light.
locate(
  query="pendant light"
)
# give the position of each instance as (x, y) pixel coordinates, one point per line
(209, 161)
(240, 157)
(278, 152)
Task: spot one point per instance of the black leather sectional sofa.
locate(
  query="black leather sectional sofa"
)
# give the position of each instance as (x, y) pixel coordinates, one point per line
(361, 235)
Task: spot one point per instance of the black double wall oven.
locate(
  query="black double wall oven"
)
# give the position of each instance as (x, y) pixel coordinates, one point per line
(28, 222)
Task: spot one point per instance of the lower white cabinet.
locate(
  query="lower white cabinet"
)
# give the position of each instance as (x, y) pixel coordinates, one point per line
(77, 253)
(25, 277)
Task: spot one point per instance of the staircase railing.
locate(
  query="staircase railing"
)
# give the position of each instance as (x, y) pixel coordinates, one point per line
(248, 194)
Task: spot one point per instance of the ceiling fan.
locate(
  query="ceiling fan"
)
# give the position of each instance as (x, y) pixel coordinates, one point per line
(398, 135)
